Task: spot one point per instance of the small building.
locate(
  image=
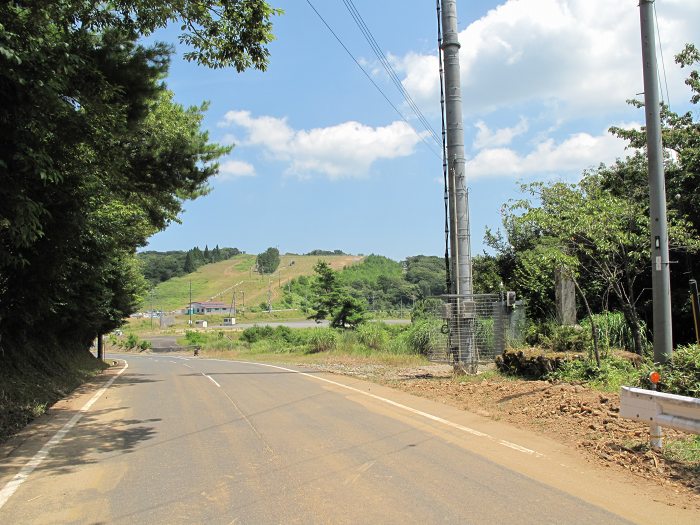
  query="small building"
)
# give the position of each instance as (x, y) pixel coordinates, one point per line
(208, 307)
(201, 323)
(229, 321)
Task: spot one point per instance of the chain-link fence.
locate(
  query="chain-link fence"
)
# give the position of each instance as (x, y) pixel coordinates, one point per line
(467, 330)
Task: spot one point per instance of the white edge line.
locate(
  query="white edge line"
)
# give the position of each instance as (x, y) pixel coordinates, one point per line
(11, 487)
(211, 379)
(399, 405)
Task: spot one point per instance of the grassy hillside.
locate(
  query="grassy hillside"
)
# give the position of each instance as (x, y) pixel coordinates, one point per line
(217, 281)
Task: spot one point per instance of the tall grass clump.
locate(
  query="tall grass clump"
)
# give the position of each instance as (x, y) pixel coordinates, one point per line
(424, 335)
(614, 332)
(322, 340)
(373, 335)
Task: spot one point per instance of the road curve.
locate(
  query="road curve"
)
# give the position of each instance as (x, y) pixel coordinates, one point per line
(185, 440)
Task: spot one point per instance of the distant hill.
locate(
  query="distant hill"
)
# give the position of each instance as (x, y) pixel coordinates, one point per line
(218, 280)
(158, 267)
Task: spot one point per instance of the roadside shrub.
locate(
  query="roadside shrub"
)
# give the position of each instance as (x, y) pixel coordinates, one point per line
(194, 338)
(281, 335)
(552, 336)
(681, 376)
(373, 335)
(144, 345)
(131, 341)
(257, 333)
(322, 340)
(611, 375)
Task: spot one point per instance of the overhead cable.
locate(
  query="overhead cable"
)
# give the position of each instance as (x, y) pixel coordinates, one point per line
(359, 21)
(369, 77)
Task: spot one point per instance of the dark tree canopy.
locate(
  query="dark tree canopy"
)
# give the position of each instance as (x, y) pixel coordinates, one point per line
(268, 261)
(95, 156)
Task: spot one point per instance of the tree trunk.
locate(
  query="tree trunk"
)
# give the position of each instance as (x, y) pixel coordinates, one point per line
(594, 332)
(633, 322)
(630, 313)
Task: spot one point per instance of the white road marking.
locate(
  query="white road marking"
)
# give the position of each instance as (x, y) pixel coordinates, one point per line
(185, 364)
(211, 379)
(426, 415)
(11, 487)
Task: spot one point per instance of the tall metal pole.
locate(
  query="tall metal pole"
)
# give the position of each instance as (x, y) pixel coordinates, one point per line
(660, 270)
(459, 205)
(190, 302)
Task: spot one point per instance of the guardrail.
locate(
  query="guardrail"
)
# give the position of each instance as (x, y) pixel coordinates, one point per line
(659, 408)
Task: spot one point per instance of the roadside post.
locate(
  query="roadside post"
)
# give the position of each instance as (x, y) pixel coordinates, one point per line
(656, 440)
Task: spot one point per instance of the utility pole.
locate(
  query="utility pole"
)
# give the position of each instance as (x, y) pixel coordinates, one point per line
(660, 269)
(190, 302)
(461, 264)
(461, 321)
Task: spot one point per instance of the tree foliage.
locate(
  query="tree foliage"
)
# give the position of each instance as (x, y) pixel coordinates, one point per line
(95, 155)
(333, 301)
(598, 229)
(268, 261)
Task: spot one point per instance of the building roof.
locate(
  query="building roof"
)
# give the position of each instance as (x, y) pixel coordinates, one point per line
(209, 304)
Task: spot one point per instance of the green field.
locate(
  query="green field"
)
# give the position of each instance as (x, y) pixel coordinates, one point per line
(216, 282)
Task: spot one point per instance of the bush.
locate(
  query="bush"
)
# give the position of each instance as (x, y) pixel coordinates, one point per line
(681, 376)
(552, 336)
(611, 375)
(195, 338)
(257, 333)
(322, 340)
(131, 341)
(373, 335)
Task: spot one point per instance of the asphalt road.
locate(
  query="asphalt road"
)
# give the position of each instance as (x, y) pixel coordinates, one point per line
(185, 440)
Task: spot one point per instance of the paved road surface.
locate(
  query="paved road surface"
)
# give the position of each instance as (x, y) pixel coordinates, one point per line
(184, 440)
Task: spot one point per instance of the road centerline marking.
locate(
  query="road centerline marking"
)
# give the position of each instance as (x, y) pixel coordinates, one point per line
(11, 486)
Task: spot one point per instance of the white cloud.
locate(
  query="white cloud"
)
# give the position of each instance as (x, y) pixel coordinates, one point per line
(232, 169)
(345, 150)
(486, 138)
(570, 157)
(580, 55)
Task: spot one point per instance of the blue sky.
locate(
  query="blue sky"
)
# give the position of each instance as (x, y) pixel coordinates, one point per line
(322, 160)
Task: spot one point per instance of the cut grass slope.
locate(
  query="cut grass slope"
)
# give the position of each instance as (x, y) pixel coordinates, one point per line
(218, 280)
(32, 383)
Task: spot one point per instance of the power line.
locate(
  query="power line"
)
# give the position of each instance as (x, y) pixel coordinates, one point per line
(663, 62)
(364, 29)
(369, 77)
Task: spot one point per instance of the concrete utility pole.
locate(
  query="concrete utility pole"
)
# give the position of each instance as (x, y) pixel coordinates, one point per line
(461, 264)
(660, 270)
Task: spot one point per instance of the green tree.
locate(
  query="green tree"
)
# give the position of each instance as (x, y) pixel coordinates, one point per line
(333, 301)
(95, 156)
(268, 261)
(591, 234)
(680, 135)
(427, 273)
